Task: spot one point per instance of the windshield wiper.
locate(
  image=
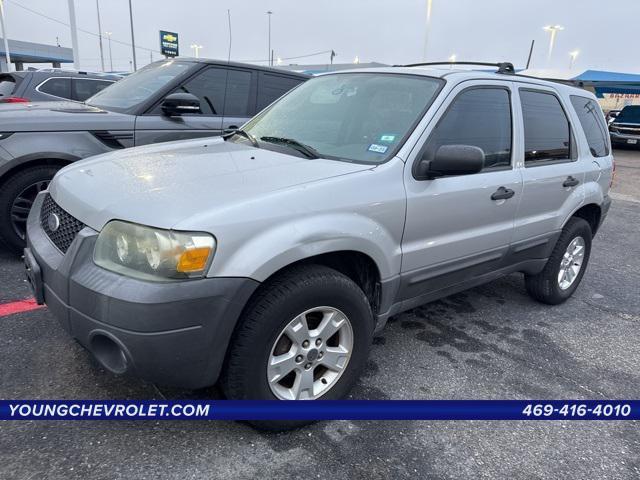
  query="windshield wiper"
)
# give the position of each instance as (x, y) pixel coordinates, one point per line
(246, 135)
(306, 150)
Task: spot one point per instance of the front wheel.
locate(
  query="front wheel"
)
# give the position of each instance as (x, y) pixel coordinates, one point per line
(566, 265)
(306, 335)
(17, 195)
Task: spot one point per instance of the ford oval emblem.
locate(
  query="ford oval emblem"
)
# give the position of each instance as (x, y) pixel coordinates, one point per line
(53, 222)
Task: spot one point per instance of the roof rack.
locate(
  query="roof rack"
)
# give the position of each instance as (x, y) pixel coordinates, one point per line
(503, 67)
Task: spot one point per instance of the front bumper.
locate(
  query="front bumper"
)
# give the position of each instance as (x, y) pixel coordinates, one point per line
(170, 333)
(624, 139)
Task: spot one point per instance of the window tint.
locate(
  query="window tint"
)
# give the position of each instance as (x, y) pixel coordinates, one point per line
(592, 122)
(271, 87)
(480, 117)
(209, 87)
(546, 127)
(85, 88)
(59, 87)
(238, 86)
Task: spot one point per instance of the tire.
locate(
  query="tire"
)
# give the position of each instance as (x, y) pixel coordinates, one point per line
(545, 286)
(261, 330)
(24, 184)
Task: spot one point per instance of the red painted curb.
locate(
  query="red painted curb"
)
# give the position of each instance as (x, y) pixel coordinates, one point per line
(18, 307)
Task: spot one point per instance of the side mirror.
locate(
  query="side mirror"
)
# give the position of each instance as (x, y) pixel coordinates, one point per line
(451, 160)
(180, 103)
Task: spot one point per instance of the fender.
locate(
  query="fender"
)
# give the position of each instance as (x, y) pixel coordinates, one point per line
(31, 157)
(591, 194)
(284, 244)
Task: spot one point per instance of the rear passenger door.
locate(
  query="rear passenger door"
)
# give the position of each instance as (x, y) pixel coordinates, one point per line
(454, 229)
(219, 90)
(551, 173)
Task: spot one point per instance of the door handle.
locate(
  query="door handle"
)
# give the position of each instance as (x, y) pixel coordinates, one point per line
(570, 182)
(502, 194)
(230, 129)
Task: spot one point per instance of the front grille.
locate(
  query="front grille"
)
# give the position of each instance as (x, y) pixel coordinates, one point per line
(68, 226)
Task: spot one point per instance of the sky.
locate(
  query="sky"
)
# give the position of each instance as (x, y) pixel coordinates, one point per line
(387, 31)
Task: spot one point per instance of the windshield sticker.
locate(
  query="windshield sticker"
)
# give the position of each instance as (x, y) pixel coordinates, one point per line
(388, 138)
(378, 148)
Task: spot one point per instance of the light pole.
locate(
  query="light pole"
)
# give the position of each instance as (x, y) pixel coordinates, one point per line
(452, 59)
(133, 39)
(108, 34)
(427, 28)
(572, 58)
(553, 30)
(356, 60)
(74, 35)
(197, 48)
(269, 13)
(100, 35)
(4, 37)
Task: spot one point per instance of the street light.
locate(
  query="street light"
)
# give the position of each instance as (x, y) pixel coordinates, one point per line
(553, 30)
(452, 59)
(108, 34)
(100, 35)
(573, 55)
(269, 13)
(4, 37)
(356, 60)
(427, 28)
(197, 48)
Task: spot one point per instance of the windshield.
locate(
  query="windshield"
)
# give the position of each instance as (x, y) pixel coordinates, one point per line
(138, 87)
(361, 117)
(629, 114)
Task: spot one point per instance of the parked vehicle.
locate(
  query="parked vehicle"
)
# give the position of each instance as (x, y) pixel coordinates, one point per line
(268, 258)
(44, 86)
(167, 100)
(611, 115)
(625, 128)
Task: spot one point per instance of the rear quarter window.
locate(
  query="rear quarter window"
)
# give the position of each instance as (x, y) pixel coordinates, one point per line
(593, 124)
(7, 85)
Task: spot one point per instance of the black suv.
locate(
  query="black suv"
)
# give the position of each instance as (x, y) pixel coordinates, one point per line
(165, 101)
(625, 128)
(41, 86)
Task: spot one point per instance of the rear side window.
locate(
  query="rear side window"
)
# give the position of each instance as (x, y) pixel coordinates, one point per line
(480, 117)
(271, 87)
(546, 128)
(7, 85)
(236, 103)
(85, 88)
(592, 122)
(58, 87)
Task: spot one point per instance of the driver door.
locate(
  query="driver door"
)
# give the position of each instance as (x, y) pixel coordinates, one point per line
(220, 91)
(454, 230)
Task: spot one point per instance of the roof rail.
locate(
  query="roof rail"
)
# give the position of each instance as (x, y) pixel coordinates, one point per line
(503, 67)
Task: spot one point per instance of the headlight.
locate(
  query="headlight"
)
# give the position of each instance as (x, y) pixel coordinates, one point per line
(153, 254)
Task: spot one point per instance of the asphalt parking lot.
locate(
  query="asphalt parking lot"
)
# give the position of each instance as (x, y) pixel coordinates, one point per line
(492, 342)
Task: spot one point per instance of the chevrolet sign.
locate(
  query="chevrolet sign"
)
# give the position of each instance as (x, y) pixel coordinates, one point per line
(169, 43)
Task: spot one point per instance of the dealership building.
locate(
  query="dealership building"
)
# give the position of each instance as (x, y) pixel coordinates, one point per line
(28, 52)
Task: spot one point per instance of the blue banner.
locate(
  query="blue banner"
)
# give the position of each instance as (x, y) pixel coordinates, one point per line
(320, 410)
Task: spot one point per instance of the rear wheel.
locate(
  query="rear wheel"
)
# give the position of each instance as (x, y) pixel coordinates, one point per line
(17, 195)
(566, 266)
(305, 336)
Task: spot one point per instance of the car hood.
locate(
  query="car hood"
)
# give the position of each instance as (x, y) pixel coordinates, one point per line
(163, 185)
(60, 116)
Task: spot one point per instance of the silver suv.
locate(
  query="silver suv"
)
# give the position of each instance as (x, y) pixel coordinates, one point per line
(271, 257)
